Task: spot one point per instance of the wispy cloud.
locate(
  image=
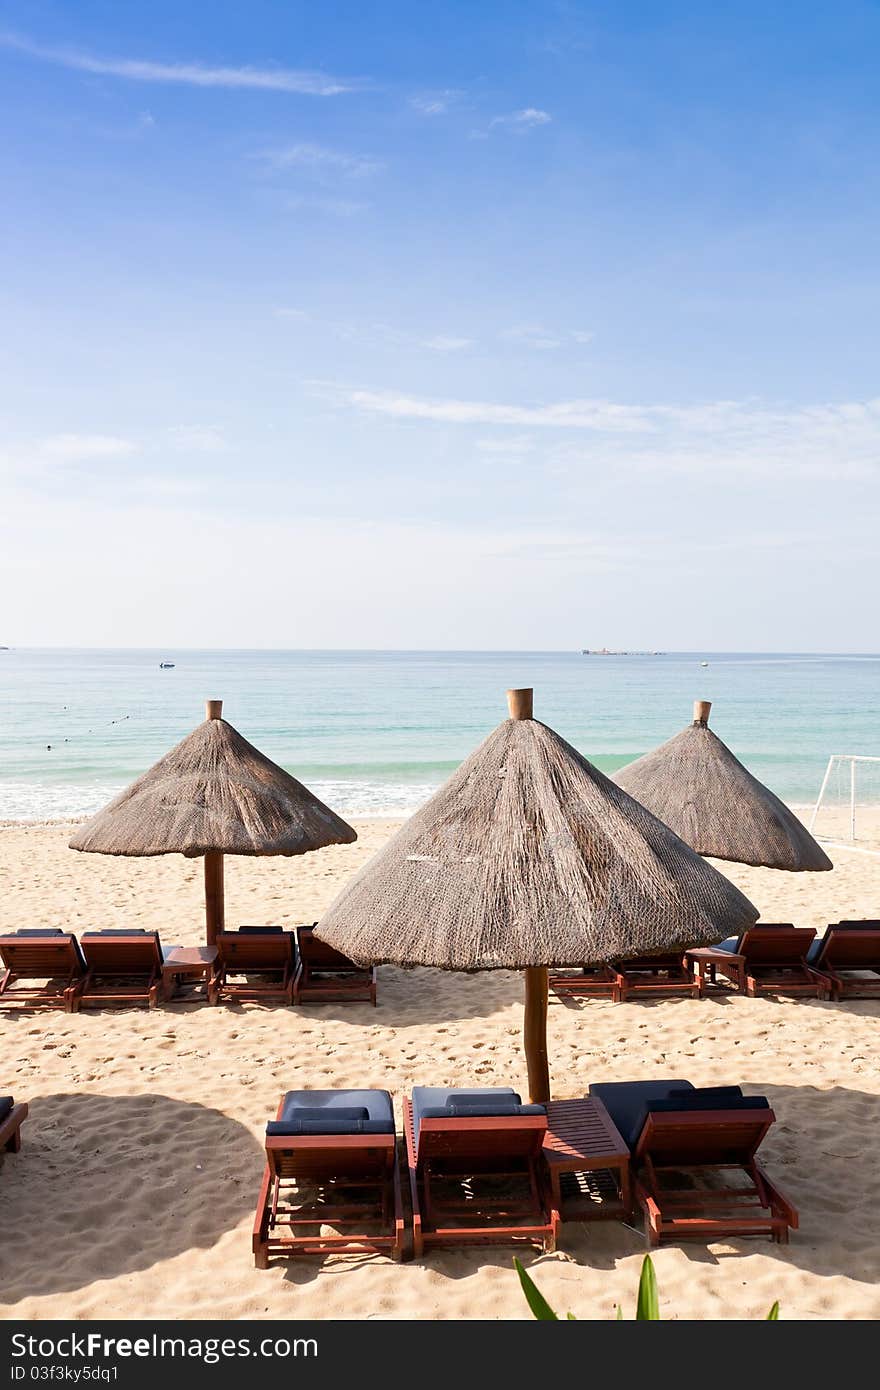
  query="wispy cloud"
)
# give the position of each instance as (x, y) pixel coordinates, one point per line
(80, 448)
(534, 336)
(436, 103)
(520, 121)
(192, 74)
(197, 439)
(335, 207)
(531, 335)
(376, 333)
(321, 159)
(823, 441)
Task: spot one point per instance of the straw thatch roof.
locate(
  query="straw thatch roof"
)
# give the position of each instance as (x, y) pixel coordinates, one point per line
(529, 856)
(214, 791)
(698, 788)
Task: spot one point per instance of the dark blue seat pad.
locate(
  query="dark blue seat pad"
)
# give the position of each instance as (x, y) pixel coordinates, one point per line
(440, 1103)
(6, 1104)
(627, 1102)
(334, 1112)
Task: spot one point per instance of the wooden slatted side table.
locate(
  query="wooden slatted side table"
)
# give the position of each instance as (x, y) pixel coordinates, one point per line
(705, 960)
(587, 1162)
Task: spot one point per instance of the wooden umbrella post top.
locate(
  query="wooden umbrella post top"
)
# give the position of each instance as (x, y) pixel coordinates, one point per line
(701, 711)
(520, 703)
(213, 709)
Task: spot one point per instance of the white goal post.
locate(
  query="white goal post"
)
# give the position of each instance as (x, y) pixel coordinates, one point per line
(839, 793)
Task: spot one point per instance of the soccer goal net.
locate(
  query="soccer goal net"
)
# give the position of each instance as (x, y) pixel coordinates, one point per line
(847, 810)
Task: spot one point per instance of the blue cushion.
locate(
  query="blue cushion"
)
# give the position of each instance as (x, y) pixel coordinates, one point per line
(260, 931)
(721, 1093)
(6, 1104)
(439, 1103)
(334, 1112)
(815, 950)
(730, 944)
(710, 1101)
(122, 931)
(39, 931)
(627, 1101)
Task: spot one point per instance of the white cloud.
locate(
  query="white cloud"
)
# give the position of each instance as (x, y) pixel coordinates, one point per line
(826, 441)
(520, 121)
(507, 444)
(435, 103)
(441, 343)
(582, 336)
(191, 74)
(336, 207)
(320, 159)
(80, 448)
(197, 439)
(533, 336)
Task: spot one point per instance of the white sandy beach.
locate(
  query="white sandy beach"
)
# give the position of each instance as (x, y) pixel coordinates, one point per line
(134, 1192)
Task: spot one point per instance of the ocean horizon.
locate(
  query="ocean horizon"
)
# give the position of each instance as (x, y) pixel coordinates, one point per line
(374, 733)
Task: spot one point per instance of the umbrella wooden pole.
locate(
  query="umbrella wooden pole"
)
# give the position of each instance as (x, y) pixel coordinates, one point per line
(214, 894)
(535, 1034)
(214, 914)
(520, 704)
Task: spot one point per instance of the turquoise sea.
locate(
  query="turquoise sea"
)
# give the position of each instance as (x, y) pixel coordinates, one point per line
(374, 733)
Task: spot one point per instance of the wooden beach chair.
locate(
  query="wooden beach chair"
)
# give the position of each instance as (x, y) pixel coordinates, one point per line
(12, 1117)
(332, 1180)
(667, 973)
(775, 960)
(254, 963)
(50, 963)
(475, 1169)
(123, 966)
(590, 982)
(323, 973)
(694, 1167)
(847, 959)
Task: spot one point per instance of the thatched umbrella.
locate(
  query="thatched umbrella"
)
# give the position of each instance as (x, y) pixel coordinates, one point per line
(213, 794)
(698, 788)
(527, 858)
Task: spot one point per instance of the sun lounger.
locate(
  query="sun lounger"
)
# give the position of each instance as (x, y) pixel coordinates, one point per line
(254, 963)
(775, 960)
(694, 1167)
(44, 954)
(591, 981)
(847, 959)
(668, 973)
(475, 1168)
(325, 974)
(332, 1181)
(11, 1118)
(123, 966)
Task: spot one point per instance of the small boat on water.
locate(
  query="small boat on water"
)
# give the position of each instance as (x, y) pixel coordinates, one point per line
(166, 665)
(704, 663)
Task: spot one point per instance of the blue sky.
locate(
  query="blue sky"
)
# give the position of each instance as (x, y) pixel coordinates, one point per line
(504, 325)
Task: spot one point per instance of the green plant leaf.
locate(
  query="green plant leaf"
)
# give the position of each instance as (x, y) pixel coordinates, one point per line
(648, 1306)
(773, 1315)
(535, 1299)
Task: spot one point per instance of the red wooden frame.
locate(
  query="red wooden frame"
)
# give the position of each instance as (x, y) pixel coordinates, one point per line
(119, 970)
(483, 1147)
(10, 1128)
(268, 956)
(361, 1169)
(846, 949)
(324, 974)
(593, 982)
(776, 961)
(693, 1146)
(53, 959)
(667, 973)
